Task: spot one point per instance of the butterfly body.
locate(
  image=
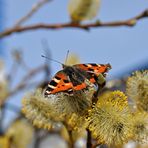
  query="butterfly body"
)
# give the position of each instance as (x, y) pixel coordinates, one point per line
(75, 78)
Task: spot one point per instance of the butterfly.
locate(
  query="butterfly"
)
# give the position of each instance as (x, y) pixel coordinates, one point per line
(73, 78)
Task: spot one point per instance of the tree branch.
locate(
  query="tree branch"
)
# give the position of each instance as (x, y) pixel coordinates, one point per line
(89, 138)
(129, 22)
(23, 83)
(34, 9)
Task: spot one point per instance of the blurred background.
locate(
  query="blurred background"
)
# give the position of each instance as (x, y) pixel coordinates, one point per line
(125, 48)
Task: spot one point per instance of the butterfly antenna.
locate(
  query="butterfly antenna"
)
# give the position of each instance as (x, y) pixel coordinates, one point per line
(66, 56)
(52, 60)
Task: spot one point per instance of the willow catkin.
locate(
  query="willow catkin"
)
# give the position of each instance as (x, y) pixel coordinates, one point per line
(110, 119)
(140, 127)
(81, 10)
(20, 133)
(137, 89)
(44, 112)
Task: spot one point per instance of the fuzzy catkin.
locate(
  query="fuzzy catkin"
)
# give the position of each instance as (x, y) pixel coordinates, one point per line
(44, 112)
(110, 119)
(83, 9)
(140, 127)
(20, 133)
(137, 89)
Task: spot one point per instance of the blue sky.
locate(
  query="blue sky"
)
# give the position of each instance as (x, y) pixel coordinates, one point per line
(122, 47)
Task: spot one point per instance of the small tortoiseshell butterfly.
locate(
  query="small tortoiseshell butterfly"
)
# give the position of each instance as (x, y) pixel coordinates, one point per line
(72, 78)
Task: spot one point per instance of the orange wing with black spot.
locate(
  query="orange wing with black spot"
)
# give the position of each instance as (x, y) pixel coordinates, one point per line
(94, 69)
(61, 83)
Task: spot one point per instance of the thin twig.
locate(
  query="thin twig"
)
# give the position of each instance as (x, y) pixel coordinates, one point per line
(34, 71)
(23, 83)
(23, 86)
(129, 22)
(18, 61)
(34, 9)
(89, 143)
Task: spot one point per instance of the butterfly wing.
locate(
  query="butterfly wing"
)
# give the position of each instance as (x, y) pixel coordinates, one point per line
(64, 80)
(95, 74)
(60, 83)
(94, 69)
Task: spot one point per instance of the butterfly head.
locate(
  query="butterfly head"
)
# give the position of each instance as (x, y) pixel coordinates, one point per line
(108, 67)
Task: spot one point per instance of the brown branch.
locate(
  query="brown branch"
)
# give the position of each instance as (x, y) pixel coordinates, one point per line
(23, 83)
(89, 138)
(34, 9)
(129, 22)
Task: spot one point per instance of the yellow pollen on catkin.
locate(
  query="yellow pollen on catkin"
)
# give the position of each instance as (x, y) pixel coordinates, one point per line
(110, 119)
(137, 89)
